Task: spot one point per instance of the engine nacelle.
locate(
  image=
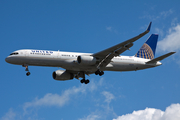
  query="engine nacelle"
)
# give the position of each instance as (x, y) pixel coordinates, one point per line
(86, 60)
(62, 75)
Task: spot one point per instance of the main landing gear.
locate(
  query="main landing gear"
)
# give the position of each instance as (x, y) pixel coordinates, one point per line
(100, 73)
(26, 66)
(84, 79)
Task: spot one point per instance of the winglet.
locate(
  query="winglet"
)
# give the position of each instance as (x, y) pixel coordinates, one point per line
(149, 27)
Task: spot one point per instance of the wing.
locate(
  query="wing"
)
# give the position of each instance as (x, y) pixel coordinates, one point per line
(160, 58)
(106, 55)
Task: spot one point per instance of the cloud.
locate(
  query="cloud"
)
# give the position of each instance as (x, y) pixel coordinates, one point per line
(163, 14)
(10, 115)
(171, 42)
(52, 99)
(29, 109)
(159, 31)
(59, 100)
(106, 112)
(49, 100)
(93, 116)
(166, 13)
(109, 28)
(171, 113)
(109, 96)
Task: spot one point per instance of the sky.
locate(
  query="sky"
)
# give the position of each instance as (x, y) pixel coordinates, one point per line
(89, 26)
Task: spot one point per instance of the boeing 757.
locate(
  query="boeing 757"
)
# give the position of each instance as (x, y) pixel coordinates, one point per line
(78, 65)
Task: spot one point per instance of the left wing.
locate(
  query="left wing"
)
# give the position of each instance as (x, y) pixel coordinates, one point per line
(160, 58)
(106, 55)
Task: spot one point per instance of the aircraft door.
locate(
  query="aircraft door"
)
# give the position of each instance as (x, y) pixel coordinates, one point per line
(58, 55)
(26, 53)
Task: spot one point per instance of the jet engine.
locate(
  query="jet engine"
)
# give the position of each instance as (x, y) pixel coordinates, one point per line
(62, 75)
(86, 60)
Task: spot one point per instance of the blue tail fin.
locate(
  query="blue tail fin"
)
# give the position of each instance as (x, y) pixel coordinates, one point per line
(148, 49)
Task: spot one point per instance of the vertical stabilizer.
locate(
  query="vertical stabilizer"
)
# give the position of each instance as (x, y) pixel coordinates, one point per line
(147, 51)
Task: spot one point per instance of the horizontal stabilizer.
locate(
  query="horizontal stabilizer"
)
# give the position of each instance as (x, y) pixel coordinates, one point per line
(160, 58)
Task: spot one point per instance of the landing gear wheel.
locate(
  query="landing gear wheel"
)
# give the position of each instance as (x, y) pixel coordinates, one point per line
(83, 81)
(84, 78)
(87, 81)
(28, 73)
(97, 72)
(100, 73)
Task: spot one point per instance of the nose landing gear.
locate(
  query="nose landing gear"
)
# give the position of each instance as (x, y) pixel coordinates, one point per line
(28, 73)
(26, 69)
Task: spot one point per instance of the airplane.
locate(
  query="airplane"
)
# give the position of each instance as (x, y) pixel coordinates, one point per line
(78, 65)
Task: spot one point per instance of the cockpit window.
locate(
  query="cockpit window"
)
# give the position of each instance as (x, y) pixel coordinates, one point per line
(14, 53)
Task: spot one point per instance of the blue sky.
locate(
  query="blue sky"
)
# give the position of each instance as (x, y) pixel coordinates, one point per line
(89, 26)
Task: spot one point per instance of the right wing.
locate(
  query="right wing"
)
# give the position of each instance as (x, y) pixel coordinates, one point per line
(106, 55)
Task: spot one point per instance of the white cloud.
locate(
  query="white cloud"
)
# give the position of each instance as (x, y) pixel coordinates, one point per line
(29, 109)
(171, 42)
(174, 22)
(159, 31)
(166, 13)
(171, 113)
(93, 116)
(50, 99)
(163, 14)
(109, 96)
(112, 29)
(109, 28)
(59, 100)
(107, 111)
(10, 115)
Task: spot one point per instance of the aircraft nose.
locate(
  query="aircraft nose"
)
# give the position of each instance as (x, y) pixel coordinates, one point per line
(7, 59)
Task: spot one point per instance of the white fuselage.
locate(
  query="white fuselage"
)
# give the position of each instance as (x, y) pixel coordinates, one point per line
(68, 61)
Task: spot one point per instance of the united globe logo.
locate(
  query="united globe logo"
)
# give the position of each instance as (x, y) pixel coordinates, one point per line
(145, 52)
